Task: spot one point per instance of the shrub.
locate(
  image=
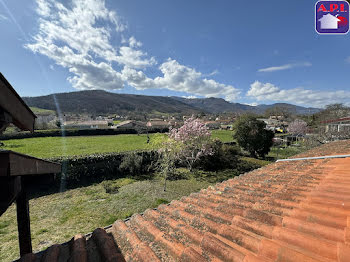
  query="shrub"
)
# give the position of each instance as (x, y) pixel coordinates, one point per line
(166, 164)
(112, 187)
(137, 164)
(132, 164)
(223, 156)
(246, 164)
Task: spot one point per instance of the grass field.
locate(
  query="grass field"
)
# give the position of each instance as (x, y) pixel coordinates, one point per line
(37, 110)
(48, 147)
(58, 217)
(282, 153)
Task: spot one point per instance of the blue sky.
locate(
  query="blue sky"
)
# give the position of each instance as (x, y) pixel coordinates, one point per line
(254, 53)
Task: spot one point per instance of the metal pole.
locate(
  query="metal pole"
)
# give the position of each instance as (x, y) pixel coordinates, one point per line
(313, 158)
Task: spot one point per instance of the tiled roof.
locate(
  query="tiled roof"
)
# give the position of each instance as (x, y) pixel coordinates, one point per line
(336, 120)
(286, 211)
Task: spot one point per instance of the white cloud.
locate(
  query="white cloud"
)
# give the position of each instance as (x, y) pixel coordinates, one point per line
(258, 89)
(307, 97)
(347, 60)
(73, 36)
(215, 72)
(3, 17)
(284, 67)
(134, 58)
(134, 43)
(43, 7)
(181, 78)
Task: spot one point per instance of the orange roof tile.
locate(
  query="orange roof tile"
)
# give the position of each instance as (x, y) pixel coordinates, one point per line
(287, 211)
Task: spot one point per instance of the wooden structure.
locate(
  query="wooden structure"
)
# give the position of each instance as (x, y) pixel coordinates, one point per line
(14, 167)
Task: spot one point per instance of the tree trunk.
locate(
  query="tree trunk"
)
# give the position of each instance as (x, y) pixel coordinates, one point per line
(165, 179)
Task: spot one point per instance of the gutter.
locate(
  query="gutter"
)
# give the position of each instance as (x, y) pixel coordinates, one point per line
(312, 158)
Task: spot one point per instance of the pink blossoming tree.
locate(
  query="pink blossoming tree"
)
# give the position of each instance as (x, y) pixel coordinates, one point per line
(298, 127)
(186, 144)
(194, 141)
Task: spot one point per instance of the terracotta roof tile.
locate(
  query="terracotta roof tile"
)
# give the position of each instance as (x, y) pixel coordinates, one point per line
(286, 211)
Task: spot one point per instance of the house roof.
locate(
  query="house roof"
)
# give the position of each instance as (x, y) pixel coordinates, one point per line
(286, 211)
(157, 123)
(336, 120)
(328, 17)
(127, 122)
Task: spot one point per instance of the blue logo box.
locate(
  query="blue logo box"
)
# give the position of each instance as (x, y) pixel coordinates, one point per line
(332, 17)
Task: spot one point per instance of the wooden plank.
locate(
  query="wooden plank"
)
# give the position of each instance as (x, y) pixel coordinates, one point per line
(13, 104)
(5, 120)
(4, 164)
(15, 164)
(9, 190)
(23, 222)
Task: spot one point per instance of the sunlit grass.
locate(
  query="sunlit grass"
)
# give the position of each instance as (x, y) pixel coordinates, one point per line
(58, 217)
(48, 147)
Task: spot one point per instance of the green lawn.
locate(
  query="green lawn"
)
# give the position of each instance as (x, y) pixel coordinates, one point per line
(224, 135)
(37, 110)
(48, 147)
(58, 217)
(282, 153)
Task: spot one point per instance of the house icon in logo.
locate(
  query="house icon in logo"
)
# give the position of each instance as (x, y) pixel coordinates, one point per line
(329, 21)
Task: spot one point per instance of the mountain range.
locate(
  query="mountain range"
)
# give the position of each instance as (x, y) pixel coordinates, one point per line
(102, 102)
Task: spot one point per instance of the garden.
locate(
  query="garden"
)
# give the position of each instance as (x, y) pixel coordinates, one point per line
(106, 178)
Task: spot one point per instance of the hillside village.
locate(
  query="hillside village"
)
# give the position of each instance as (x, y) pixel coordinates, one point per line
(276, 117)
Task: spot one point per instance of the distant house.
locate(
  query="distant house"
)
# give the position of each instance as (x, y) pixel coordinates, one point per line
(277, 117)
(158, 124)
(130, 124)
(274, 123)
(213, 124)
(270, 121)
(92, 124)
(175, 123)
(337, 125)
(156, 119)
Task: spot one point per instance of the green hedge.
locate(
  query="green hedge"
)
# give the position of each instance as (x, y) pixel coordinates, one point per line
(86, 170)
(77, 132)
